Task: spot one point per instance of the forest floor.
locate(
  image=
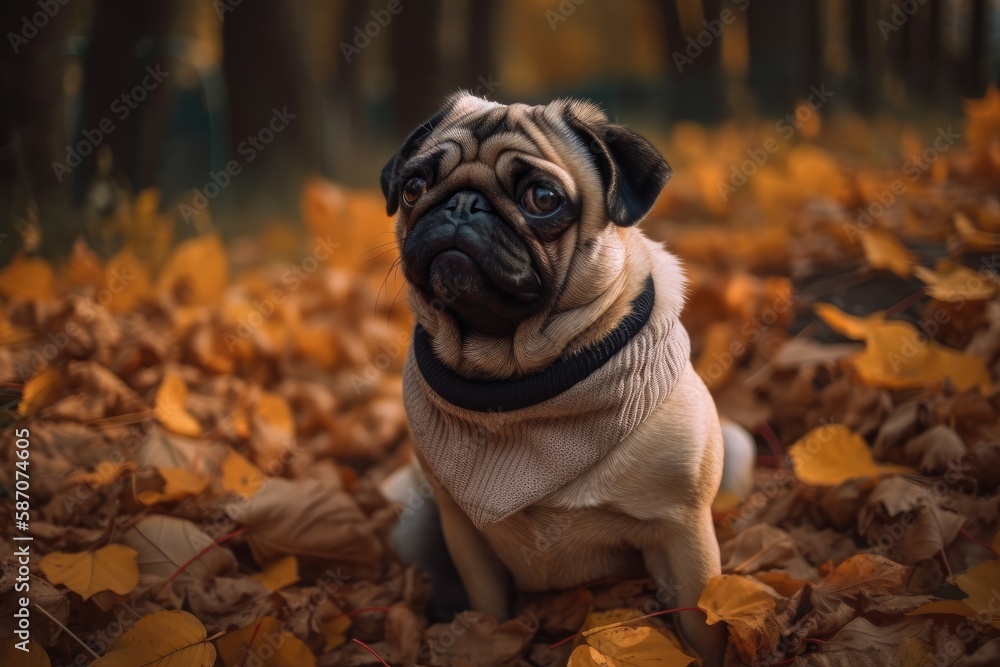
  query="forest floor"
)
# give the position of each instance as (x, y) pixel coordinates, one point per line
(197, 431)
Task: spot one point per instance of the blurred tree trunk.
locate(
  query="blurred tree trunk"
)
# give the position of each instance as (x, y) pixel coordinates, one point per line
(695, 73)
(416, 64)
(785, 53)
(268, 72)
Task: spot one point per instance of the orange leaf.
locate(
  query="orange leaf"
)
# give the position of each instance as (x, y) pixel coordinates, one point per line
(956, 284)
(747, 607)
(197, 272)
(629, 646)
(279, 574)
(981, 584)
(884, 251)
(335, 632)
(28, 278)
(848, 325)
(274, 410)
(111, 568)
(40, 391)
(162, 639)
(34, 657)
(104, 473)
(178, 484)
(171, 410)
(269, 645)
(830, 455)
(126, 281)
(240, 476)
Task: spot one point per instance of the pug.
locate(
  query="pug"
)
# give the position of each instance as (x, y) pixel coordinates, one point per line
(547, 385)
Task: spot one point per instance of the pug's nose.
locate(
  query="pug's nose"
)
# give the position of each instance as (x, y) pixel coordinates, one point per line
(465, 204)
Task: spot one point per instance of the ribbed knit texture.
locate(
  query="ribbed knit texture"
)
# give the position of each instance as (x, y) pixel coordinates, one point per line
(495, 463)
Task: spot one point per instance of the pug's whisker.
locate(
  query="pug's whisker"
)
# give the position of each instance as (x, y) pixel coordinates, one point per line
(376, 247)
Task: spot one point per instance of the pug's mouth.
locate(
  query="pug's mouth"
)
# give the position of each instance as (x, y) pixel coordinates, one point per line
(472, 265)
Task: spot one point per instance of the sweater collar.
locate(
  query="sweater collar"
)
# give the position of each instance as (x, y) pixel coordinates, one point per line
(523, 392)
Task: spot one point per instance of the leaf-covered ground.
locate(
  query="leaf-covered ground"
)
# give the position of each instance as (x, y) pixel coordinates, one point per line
(208, 425)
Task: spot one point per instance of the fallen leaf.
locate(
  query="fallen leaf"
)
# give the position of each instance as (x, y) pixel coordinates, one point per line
(165, 543)
(104, 473)
(35, 656)
(177, 485)
(28, 278)
(240, 476)
(958, 285)
(618, 644)
(849, 325)
(111, 568)
(264, 643)
(40, 391)
(830, 455)
(171, 410)
(197, 272)
(279, 574)
(747, 607)
(162, 639)
(335, 632)
(884, 251)
(982, 584)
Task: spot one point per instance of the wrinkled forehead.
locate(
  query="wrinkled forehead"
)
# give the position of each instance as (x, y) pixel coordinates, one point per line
(495, 135)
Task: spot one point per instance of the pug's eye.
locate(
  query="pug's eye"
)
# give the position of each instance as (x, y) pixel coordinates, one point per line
(414, 190)
(540, 200)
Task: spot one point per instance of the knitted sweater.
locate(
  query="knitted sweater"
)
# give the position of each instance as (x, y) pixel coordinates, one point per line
(498, 447)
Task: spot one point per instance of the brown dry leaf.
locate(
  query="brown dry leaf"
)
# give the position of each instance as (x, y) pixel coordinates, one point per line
(29, 278)
(717, 342)
(165, 543)
(15, 657)
(884, 251)
(240, 476)
(830, 455)
(482, 640)
(110, 568)
(274, 410)
(177, 485)
(747, 607)
(104, 473)
(197, 272)
(279, 574)
(162, 639)
(865, 573)
(303, 517)
(628, 645)
(955, 283)
(267, 644)
(171, 406)
(949, 607)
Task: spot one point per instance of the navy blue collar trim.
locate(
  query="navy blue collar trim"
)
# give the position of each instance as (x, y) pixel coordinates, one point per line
(523, 392)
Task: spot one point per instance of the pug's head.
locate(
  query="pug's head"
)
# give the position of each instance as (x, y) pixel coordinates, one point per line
(515, 228)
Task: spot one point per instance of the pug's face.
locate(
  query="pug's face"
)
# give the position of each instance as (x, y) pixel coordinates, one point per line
(513, 225)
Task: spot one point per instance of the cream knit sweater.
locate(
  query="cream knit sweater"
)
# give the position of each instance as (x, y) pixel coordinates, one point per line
(498, 447)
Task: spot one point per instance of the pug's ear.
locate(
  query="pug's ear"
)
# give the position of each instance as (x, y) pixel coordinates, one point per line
(632, 170)
(389, 179)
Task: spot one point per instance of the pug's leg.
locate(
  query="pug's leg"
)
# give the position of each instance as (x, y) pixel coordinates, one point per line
(486, 580)
(685, 558)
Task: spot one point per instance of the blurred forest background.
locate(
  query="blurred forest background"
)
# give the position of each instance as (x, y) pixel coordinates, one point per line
(357, 75)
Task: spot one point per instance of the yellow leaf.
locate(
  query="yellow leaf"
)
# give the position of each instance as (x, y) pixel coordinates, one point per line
(981, 584)
(267, 644)
(40, 391)
(28, 278)
(15, 657)
(171, 410)
(830, 455)
(111, 568)
(240, 476)
(628, 646)
(335, 632)
(747, 607)
(162, 639)
(884, 251)
(282, 572)
(104, 473)
(898, 356)
(848, 325)
(959, 284)
(274, 410)
(126, 281)
(197, 272)
(178, 484)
